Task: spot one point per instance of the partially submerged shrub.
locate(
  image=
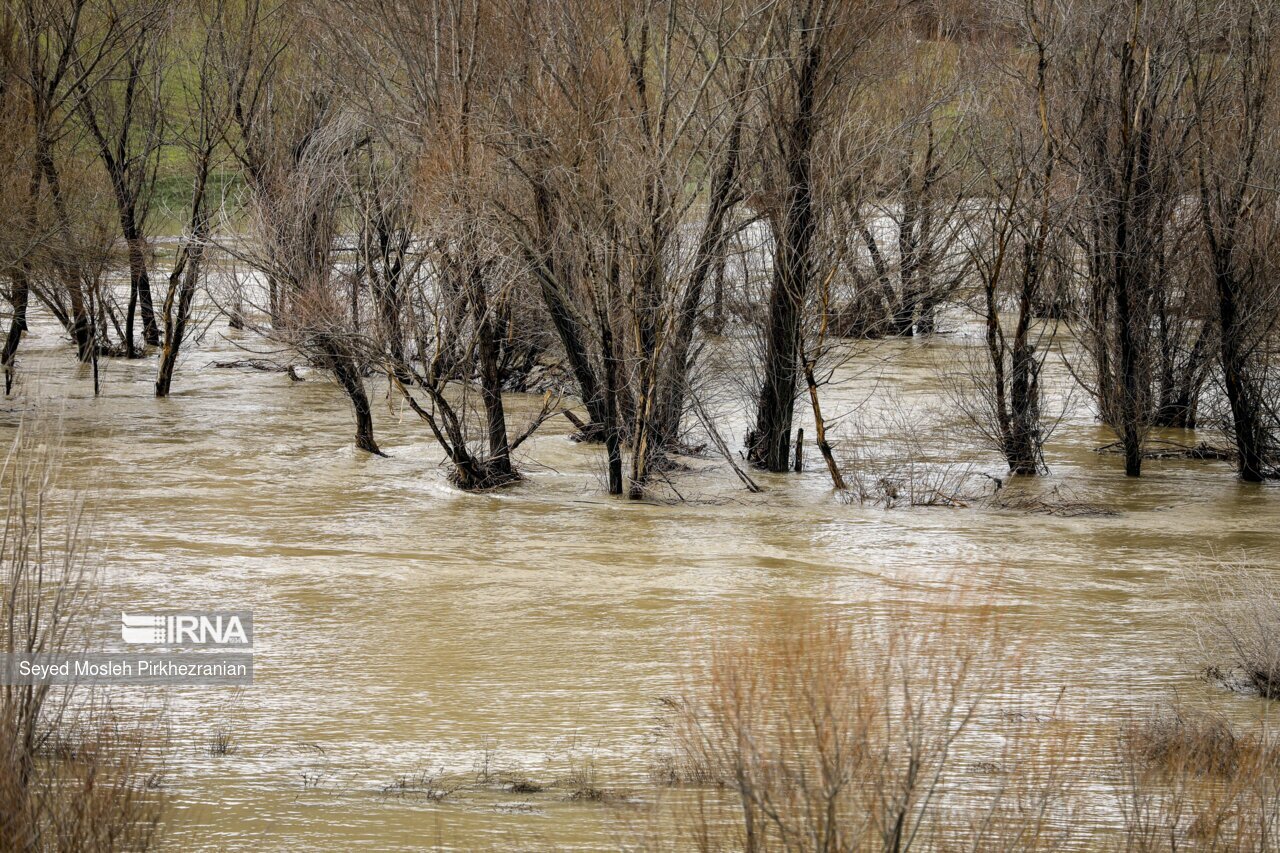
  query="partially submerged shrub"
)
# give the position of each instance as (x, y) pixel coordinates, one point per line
(222, 741)
(1192, 780)
(811, 734)
(583, 781)
(96, 788)
(73, 774)
(830, 738)
(430, 785)
(1240, 637)
(1182, 741)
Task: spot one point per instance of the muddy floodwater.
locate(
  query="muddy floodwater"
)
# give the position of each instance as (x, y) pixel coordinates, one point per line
(404, 629)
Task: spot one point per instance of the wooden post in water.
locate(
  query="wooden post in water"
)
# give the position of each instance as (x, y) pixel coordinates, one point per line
(799, 465)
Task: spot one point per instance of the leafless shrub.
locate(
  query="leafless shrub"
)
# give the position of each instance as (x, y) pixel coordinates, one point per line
(1240, 636)
(1190, 780)
(73, 774)
(222, 741)
(831, 737)
(583, 781)
(430, 785)
(1181, 740)
(827, 737)
(913, 465)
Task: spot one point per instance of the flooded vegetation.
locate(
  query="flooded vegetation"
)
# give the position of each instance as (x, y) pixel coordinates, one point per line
(815, 425)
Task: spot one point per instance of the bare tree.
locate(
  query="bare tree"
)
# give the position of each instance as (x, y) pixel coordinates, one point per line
(814, 45)
(1231, 53)
(1122, 133)
(19, 189)
(123, 108)
(61, 44)
(259, 42)
(296, 227)
(201, 133)
(903, 195)
(617, 124)
(441, 282)
(1011, 239)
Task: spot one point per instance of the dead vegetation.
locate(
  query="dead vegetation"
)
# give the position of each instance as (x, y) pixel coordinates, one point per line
(810, 734)
(426, 784)
(74, 775)
(579, 780)
(827, 737)
(1056, 501)
(1178, 740)
(524, 785)
(1161, 449)
(222, 741)
(1240, 636)
(1192, 780)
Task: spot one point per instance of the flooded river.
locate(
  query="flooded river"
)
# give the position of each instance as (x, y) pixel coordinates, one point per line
(404, 629)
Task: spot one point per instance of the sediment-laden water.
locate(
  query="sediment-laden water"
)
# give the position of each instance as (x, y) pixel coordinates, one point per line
(405, 630)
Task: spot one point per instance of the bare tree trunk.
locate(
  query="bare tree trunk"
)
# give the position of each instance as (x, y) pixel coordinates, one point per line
(820, 424)
(1025, 441)
(20, 294)
(82, 324)
(140, 288)
(17, 325)
(1246, 419)
(498, 464)
(568, 328)
(716, 323)
(1024, 405)
(1133, 392)
(1234, 114)
(768, 444)
(347, 372)
(182, 282)
(612, 440)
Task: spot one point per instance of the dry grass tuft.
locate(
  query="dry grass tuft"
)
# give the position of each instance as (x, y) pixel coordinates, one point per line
(1191, 780)
(1195, 742)
(583, 782)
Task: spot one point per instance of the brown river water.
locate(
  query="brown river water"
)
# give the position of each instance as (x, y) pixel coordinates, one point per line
(402, 627)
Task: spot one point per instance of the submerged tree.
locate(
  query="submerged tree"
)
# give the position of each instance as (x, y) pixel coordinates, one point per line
(200, 135)
(421, 188)
(1012, 238)
(813, 46)
(296, 222)
(1122, 132)
(56, 49)
(905, 200)
(618, 124)
(120, 99)
(1232, 60)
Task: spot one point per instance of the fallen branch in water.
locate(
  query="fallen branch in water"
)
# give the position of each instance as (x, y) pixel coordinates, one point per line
(1174, 450)
(1199, 451)
(722, 447)
(1052, 503)
(258, 364)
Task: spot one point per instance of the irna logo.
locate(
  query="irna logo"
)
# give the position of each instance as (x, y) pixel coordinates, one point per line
(233, 628)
